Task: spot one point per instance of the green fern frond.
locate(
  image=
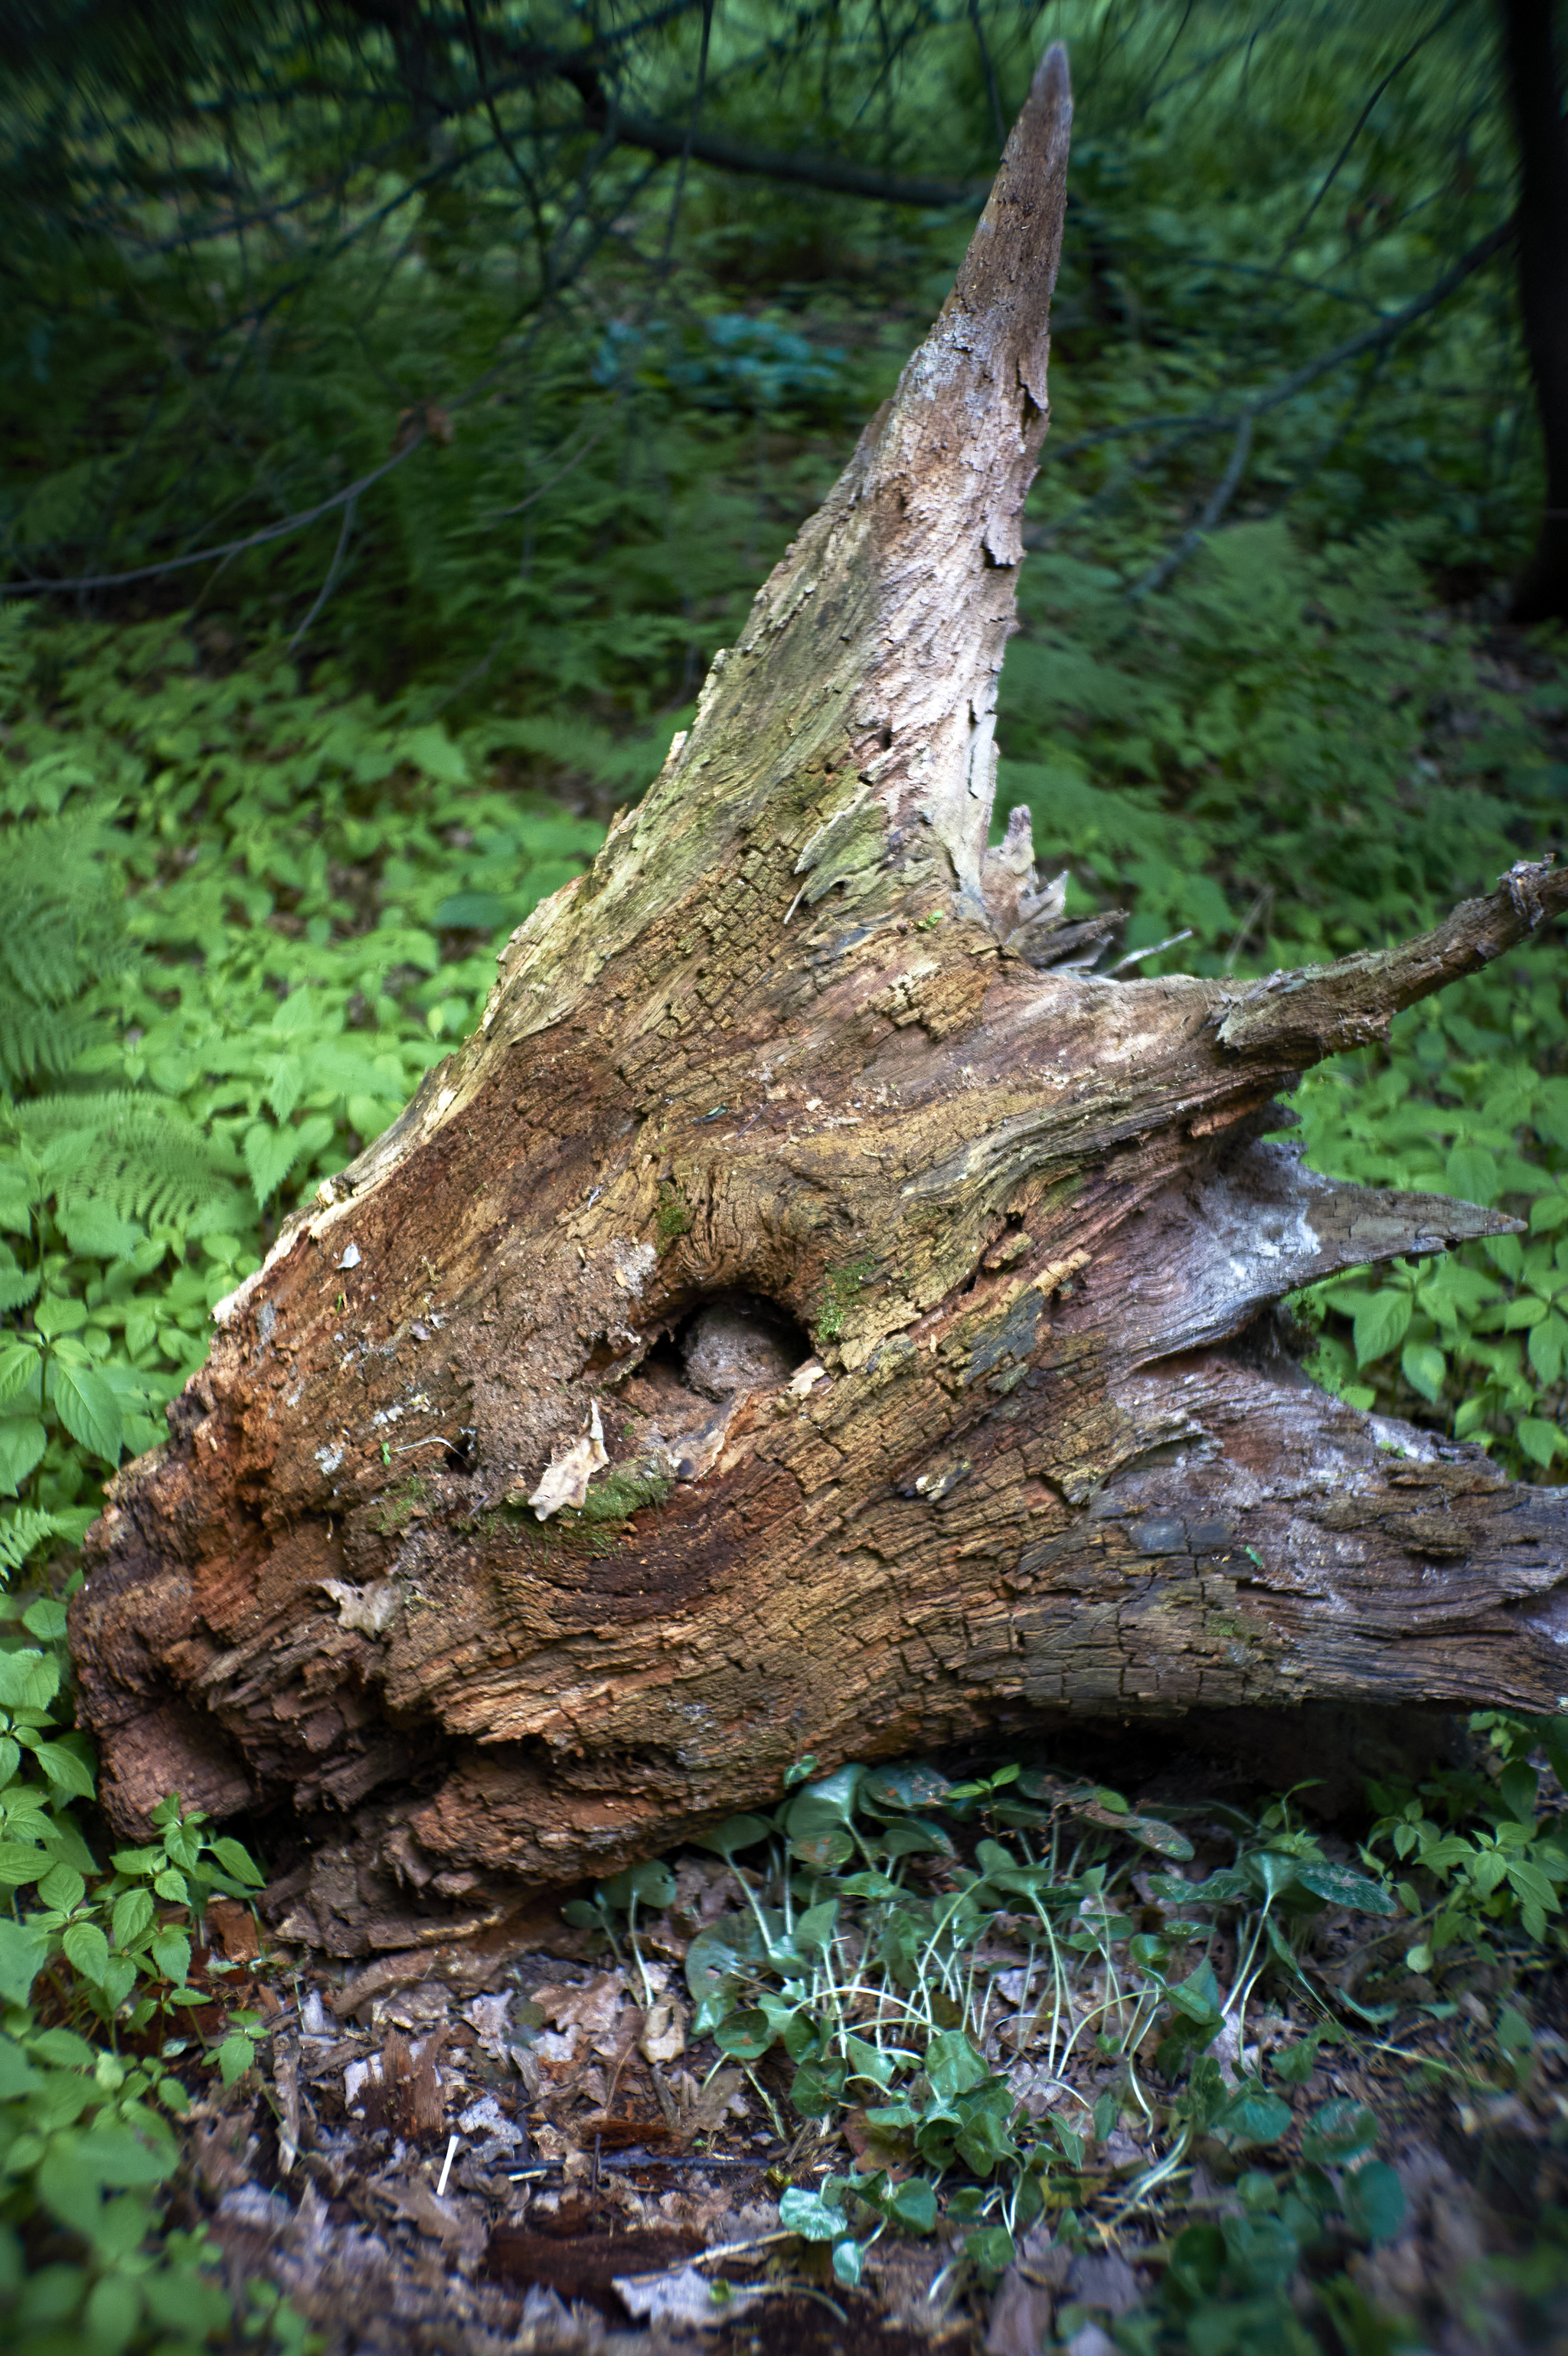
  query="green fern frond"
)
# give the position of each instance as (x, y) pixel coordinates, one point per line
(37, 1042)
(61, 930)
(139, 1155)
(23, 1532)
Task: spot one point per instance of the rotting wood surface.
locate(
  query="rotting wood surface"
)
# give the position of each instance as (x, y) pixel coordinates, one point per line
(798, 1038)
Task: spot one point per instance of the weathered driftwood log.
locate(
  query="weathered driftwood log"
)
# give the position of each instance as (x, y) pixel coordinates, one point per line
(809, 1315)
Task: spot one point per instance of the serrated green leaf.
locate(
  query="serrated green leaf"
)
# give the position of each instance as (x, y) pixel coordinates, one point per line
(23, 1440)
(132, 1918)
(1426, 1368)
(86, 1947)
(19, 1363)
(171, 1952)
(22, 1953)
(64, 1771)
(1381, 1324)
(238, 1862)
(1472, 1173)
(270, 1155)
(235, 2056)
(45, 1619)
(88, 1409)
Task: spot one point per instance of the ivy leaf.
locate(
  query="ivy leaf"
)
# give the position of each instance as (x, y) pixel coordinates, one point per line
(652, 1884)
(1339, 2130)
(808, 2214)
(1197, 1995)
(745, 2035)
(906, 1787)
(847, 2261)
(914, 2203)
(1540, 1440)
(952, 2065)
(816, 1927)
(734, 1834)
(1254, 2115)
(88, 1409)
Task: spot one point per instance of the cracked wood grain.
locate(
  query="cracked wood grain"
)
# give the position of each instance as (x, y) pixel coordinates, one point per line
(796, 1034)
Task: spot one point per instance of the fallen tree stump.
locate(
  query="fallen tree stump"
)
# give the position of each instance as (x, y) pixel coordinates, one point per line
(811, 1315)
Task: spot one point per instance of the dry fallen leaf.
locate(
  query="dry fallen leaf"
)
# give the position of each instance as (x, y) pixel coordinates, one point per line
(663, 2035)
(591, 2005)
(685, 2297)
(236, 1929)
(415, 2200)
(566, 1477)
(489, 2016)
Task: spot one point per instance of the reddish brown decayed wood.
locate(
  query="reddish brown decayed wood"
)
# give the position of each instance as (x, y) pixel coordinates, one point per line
(798, 1036)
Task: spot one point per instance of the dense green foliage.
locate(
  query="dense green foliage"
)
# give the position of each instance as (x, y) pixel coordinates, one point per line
(98, 2035)
(550, 408)
(251, 259)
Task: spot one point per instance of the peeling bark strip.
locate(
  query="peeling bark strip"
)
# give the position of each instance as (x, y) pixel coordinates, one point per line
(811, 1314)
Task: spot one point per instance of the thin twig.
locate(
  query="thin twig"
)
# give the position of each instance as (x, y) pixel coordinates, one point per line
(1219, 498)
(1361, 123)
(282, 531)
(330, 583)
(989, 70)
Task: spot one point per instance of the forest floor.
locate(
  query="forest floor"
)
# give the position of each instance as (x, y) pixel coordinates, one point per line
(507, 2142)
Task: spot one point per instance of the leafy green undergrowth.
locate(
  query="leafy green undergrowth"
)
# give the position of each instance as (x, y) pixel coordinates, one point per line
(242, 922)
(112, 2012)
(1469, 1098)
(1020, 2000)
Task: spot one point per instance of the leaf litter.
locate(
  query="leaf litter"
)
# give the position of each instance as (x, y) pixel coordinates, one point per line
(1106, 2100)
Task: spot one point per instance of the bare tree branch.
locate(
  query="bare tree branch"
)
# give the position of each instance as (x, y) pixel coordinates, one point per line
(1224, 491)
(1362, 119)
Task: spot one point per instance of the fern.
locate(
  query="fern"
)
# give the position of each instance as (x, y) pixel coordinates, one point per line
(24, 1531)
(138, 1156)
(61, 931)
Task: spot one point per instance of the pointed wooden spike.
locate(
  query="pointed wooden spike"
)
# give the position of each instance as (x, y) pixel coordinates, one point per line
(1262, 1224)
